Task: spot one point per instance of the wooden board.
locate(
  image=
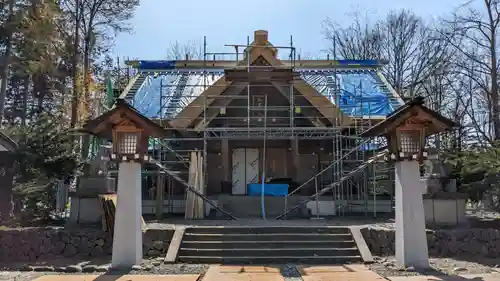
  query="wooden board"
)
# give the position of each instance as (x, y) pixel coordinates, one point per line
(108, 209)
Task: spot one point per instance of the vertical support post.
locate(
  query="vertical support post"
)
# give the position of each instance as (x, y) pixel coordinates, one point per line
(262, 198)
(160, 192)
(204, 63)
(170, 195)
(249, 54)
(374, 199)
(225, 158)
(411, 237)
(295, 156)
(127, 238)
(317, 196)
(204, 161)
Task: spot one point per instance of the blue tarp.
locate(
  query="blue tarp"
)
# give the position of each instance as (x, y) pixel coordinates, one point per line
(156, 64)
(168, 91)
(270, 189)
(369, 146)
(362, 93)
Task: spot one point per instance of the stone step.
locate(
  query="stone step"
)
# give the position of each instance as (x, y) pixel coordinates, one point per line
(267, 244)
(266, 237)
(269, 230)
(271, 259)
(260, 251)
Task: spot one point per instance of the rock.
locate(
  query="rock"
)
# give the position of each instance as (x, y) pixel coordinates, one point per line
(99, 242)
(44, 268)
(26, 268)
(75, 240)
(73, 268)
(137, 267)
(158, 245)
(410, 269)
(154, 253)
(459, 269)
(60, 269)
(96, 251)
(147, 267)
(156, 263)
(89, 268)
(58, 247)
(388, 264)
(102, 268)
(69, 250)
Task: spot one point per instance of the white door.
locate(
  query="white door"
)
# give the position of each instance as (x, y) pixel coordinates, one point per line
(238, 178)
(245, 169)
(252, 165)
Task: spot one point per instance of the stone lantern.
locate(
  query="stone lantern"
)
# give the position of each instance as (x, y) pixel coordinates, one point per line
(406, 131)
(129, 132)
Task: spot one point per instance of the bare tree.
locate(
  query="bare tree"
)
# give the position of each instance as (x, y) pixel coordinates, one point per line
(412, 49)
(473, 34)
(180, 51)
(360, 40)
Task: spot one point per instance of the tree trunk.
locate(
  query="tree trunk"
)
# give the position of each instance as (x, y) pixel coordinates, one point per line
(25, 99)
(86, 70)
(74, 101)
(4, 72)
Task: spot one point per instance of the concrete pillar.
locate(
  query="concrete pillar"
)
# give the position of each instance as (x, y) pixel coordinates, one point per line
(411, 238)
(127, 237)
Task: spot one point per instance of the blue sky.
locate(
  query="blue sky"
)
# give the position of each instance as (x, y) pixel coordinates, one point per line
(157, 23)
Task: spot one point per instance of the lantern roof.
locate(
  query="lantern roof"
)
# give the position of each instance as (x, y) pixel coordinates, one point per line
(122, 112)
(415, 113)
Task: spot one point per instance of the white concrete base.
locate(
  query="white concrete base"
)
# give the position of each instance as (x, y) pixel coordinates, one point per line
(127, 237)
(411, 238)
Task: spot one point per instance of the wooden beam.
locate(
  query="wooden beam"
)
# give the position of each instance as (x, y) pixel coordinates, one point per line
(315, 121)
(189, 114)
(322, 103)
(175, 245)
(295, 157)
(212, 112)
(225, 158)
(160, 191)
(195, 108)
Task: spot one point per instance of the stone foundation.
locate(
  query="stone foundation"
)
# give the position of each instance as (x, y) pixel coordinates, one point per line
(30, 244)
(441, 243)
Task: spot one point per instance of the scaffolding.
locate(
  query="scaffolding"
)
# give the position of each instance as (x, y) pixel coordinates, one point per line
(342, 151)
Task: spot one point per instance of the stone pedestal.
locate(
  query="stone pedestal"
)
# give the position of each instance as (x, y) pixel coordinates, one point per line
(85, 204)
(127, 239)
(411, 238)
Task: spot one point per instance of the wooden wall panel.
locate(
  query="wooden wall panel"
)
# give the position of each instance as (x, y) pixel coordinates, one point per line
(276, 163)
(215, 173)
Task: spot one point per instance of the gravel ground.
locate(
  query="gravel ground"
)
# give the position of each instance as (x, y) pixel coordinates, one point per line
(326, 221)
(386, 266)
(383, 266)
(289, 271)
(22, 272)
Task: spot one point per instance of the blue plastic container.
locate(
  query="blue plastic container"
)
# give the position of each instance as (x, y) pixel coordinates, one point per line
(270, 189)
